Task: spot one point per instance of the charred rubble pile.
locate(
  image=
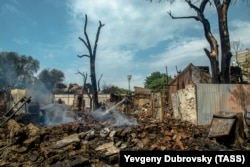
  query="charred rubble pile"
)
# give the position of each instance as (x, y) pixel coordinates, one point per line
(94, 142)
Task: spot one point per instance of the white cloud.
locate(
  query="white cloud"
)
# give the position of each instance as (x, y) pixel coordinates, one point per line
(129, 26)
(8, 8)
(240, 31)
(21, 41)
(132, 26)
(127, 22)
(131, 42)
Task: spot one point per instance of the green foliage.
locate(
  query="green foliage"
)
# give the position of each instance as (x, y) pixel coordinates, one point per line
(123, 91)
(17, 70)
(50, 77)
(107, 89)
(156, 81)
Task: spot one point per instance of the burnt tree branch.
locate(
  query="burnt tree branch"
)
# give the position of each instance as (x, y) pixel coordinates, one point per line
(182, 17)
(80, 56)
(85, 43)
(213, 53)
(84, 75)
(84, 87)
(98, 83)
(97, 37)
(86, 36)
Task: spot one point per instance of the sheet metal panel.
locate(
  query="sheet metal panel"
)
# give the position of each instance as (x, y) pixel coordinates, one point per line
(208, 102)
(213, 98)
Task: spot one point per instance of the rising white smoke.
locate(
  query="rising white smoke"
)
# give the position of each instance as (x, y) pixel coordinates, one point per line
(114, 118)
(55, 114)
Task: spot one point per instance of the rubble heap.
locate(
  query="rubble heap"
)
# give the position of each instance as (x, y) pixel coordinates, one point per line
(96, 143)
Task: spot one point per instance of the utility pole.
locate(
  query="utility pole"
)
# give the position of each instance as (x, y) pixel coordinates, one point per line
(129, 79)
(167, 77)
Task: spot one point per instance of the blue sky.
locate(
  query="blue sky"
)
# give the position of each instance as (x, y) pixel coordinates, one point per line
(138, 37)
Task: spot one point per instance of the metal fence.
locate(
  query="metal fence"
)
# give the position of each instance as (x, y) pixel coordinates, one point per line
(212, 98)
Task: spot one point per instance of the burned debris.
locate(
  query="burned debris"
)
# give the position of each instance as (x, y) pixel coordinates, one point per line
(54, 135)
(94, 142)
(14, 109)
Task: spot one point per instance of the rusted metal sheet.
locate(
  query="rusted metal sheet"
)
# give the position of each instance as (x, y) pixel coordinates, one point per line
(222, 124)
(220, 127)
(212, 98)
(207, 102)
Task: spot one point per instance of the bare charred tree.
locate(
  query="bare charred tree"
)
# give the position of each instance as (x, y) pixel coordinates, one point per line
(84, 87)
(222, 7)
(212, 54)
(236, 47)
(92, 57)
(98, 84)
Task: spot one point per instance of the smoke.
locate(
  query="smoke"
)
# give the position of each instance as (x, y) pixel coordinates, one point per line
(122, 120)
(40, 94)
(55, 114)
(115, 118)
(51, 113)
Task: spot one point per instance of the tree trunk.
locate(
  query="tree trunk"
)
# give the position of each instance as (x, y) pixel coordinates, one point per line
(92, 57)
(213, 54)
(226, 53)
(94, 84)
(214, 68)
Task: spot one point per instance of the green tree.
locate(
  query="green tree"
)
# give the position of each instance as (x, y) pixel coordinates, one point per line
(8, 68)
(221, 8)
(17, 70)
(157, 81)
(108, 89)
(51, 77)
(26, 68)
